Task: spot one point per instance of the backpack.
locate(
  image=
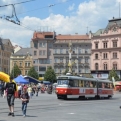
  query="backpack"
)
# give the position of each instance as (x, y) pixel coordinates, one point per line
(10, 88)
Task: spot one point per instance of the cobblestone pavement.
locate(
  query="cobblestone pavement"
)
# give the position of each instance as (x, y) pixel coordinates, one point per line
(47, 107)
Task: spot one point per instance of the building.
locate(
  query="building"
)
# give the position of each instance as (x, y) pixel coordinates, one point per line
(106, 49)
(81, 46)
(22, 58)
(6, 49)
(42, 47)
(50, 49)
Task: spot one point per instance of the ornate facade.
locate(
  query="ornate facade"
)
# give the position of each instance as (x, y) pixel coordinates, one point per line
(106, 49)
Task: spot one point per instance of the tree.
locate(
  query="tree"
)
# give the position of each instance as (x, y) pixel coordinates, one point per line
(113, 73)
(15, 71)
(32, 72)
(50, 75)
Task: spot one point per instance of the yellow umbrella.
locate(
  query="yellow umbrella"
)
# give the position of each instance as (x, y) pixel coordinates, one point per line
(4, 77)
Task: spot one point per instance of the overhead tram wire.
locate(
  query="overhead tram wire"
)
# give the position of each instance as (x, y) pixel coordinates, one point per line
(17, 3)
(51, 5)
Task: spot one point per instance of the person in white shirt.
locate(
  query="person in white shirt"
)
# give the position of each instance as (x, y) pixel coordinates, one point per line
(19, 90)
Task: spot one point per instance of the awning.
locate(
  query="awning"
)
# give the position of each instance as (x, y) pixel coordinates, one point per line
(31, 79)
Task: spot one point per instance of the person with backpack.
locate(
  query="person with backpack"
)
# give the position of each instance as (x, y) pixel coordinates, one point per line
(25, 100)
(9, 91)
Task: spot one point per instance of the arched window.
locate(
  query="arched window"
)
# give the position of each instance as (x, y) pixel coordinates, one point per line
(96, 56)
(96, 66)
(105, 66)
(115, 66)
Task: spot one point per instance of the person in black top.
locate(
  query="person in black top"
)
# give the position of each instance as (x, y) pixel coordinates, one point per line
(10, 89)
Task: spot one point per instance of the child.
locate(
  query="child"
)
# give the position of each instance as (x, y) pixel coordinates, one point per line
(25, 100)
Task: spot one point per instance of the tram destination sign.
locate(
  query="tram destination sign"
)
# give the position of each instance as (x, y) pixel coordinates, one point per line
(62, 77)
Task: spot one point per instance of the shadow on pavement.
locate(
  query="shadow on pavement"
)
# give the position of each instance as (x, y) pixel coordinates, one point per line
(26, 116)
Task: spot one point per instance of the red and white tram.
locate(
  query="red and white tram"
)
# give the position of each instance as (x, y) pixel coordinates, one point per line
(81, 87)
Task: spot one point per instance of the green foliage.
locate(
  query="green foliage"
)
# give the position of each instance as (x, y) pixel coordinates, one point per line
(32, 72)
(15, 71)
(113, 73)
(50, 75)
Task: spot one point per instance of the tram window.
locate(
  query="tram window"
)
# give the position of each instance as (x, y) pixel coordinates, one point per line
(71, 84)
(111, 86)
(94, 84)
(91, 84)
(81, 83)
(62, 82)
(86, 83)
(76, 83)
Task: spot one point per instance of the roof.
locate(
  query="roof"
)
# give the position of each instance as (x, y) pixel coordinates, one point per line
(100, 31)
(23, 51)
(72, 37)
(41, 35)
(31, 79)
(113, 21)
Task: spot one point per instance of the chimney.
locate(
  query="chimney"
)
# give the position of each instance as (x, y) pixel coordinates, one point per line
(113, 18)
(76, 33)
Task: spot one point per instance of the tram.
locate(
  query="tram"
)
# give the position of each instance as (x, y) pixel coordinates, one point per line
(81, 87)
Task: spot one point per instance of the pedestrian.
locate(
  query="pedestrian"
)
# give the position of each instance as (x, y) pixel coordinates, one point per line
(9, 91)
(25, 100)
(29, 90)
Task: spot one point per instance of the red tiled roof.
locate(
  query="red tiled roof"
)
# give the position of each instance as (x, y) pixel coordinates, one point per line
(72, 37)
(41, 35)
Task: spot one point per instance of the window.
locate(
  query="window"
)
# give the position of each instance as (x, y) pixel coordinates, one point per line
(96, 66)
(96, 45)
(56, 51)
(86, 60)
(61, 60)
(56, 60)
(115, 55)
(81, 83)
(35, 61)
(42, 68)
(80, 50)
(80, 60)
(115, 66)
(115, 44)
(96, 56)
(86, 51)
(29, 64)
(105, 45)
(35, 52)
(50, 45)
(105, 56)
(86, 69)
(20, 64)
(61, 51)
(36, 45)
(105, 66)
(42, 44)
(40, 52)
(44, 52)
(66, 51)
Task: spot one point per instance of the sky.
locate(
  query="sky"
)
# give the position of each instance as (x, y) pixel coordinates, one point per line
(61, 16)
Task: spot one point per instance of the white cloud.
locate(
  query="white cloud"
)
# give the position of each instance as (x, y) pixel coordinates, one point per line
(94, 14)
(62, 0)
(71, 7)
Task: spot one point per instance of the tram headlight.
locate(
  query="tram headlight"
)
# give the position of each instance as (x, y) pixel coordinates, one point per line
(65, 91)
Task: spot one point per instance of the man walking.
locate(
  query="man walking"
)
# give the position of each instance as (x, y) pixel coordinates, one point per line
(10, 89)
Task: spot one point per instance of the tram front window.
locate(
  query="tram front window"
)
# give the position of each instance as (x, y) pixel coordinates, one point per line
(62, 82)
